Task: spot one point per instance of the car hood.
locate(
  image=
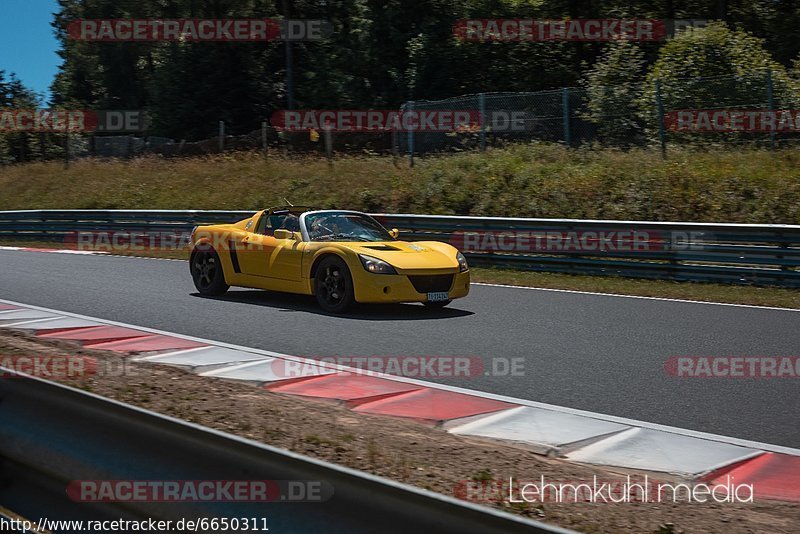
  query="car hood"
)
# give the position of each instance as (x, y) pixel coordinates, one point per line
(409, 256)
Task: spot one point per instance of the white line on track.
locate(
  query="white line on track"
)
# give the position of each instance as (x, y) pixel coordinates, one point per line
(552, 407)
(666, 299)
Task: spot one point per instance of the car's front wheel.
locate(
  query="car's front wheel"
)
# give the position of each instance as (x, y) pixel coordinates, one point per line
(207, 273)
(333, 285)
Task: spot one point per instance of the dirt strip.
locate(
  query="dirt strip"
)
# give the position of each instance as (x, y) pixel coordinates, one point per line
(402, 450)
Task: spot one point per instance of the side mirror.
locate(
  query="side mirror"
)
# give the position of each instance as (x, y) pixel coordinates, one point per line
(394, 232)
(283, 233)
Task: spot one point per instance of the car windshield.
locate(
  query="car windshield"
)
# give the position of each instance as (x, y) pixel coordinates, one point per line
(344, 226)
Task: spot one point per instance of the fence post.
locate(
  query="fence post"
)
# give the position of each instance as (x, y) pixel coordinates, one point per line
(771, 105)
(482, 112)
(662, 134)
(66, 150)
(328, 144)
(410, 137)
(565, 112)
(395, 145)
(221, 136)
(264, 137)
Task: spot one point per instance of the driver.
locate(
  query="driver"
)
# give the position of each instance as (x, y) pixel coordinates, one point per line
(335, 225)
(345, 226)
(319, 228)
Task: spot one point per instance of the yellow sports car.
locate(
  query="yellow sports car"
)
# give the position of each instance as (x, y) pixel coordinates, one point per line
(341, 257)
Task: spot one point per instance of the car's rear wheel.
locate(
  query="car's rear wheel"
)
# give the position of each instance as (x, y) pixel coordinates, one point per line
(437, 304)
(207, 273)
(333, 285)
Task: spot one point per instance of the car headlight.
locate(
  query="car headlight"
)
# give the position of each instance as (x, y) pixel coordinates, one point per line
(462, 263)
(374, 265)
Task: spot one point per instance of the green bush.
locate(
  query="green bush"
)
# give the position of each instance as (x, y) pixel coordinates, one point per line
(714, 67)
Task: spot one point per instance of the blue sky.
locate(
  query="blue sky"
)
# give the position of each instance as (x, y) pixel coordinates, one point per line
(27, 43)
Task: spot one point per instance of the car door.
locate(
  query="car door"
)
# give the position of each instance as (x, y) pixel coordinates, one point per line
(263, 255)
(254, 254)
(286, 258)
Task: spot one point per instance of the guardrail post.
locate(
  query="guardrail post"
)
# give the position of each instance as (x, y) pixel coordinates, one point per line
(565, 113)
(662, 133)
(221, 136)
(771, 105)
(482, 113)
(783, 245)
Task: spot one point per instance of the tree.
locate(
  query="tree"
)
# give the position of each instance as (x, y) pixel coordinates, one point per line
(16, 146)
(715, 67)
(613, 85)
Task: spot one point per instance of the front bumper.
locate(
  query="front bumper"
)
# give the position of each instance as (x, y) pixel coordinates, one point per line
(377, 288)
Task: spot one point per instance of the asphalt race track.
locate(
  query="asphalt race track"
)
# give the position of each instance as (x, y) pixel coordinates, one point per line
(599, 353)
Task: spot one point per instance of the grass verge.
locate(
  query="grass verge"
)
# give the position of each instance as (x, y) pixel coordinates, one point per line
(525, 180)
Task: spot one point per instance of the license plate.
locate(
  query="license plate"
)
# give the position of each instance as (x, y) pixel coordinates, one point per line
(438, 296)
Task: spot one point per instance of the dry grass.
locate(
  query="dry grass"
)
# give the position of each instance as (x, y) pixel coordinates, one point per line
(533, 180)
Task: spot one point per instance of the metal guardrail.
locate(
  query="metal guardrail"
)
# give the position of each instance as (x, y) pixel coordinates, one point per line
(760, 254)
(51, 434)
